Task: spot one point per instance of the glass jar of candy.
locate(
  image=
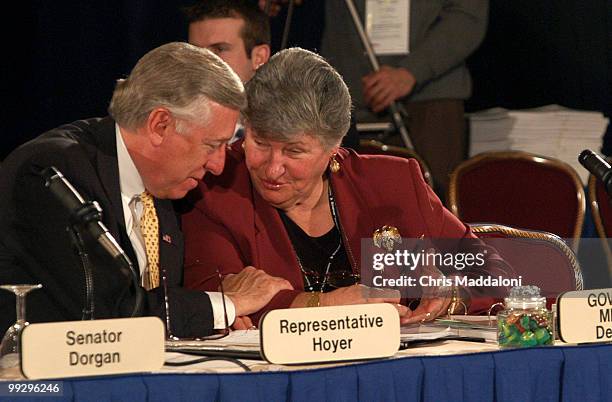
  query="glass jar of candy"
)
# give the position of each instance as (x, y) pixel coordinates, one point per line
(525, 321)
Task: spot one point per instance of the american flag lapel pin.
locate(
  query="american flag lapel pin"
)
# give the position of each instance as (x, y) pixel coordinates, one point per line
(167, 238)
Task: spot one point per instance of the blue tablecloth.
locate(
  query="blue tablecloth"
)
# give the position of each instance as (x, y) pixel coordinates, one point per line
(540, 374)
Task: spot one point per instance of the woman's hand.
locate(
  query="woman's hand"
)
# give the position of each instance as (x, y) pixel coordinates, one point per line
(243, 322)
(434, 299)
(361, 294)
(428, 309)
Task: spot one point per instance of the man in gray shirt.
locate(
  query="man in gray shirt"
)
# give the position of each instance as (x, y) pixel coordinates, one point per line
(431, 81)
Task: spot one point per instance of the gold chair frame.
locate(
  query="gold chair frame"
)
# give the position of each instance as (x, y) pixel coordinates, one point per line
(467, 165)
(551, 238)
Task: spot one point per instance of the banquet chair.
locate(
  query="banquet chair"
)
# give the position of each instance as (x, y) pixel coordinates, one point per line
(540, 258)
(519, 189)
(601, 211)
(373, 147)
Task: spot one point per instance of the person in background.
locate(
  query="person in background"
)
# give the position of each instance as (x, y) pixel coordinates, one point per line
(431, 81)
(169, 124)
(235, 30)
(238, 32)
(295, 204)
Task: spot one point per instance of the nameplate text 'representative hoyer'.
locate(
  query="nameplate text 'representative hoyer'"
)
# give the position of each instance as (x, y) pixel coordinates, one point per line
(585, 316)
(97, 347)
(326, 334)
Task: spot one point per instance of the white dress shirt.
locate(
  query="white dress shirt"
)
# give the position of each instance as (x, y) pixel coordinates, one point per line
(131, 187)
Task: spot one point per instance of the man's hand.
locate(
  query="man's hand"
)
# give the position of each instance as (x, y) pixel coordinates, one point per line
(252, 289)
(384, 86)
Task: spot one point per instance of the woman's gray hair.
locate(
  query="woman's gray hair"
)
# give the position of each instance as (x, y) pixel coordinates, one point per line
(181, 78)
(297, 92)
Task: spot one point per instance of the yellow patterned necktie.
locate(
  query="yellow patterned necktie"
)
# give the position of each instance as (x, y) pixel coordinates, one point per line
(149, 228)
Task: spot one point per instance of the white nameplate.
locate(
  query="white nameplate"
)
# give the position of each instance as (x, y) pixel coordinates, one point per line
(98, 347)
(326, 334)
(585, 316)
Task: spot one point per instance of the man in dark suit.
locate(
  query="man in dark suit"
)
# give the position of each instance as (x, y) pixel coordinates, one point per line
(169, 125)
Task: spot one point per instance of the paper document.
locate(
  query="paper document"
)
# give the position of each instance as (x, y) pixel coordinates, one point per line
(467, 326)
(241, 344)
(387, 25)
(240, 339)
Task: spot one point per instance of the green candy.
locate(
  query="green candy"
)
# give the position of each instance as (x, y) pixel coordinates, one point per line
(543, 336)
(506, 329)
(514, 335)
(525, 322)
(528, 339)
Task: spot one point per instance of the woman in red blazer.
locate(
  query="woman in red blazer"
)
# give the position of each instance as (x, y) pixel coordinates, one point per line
(290, 201)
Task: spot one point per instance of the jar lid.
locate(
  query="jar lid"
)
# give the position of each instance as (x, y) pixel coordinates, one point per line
(525, 297)
(533, 302)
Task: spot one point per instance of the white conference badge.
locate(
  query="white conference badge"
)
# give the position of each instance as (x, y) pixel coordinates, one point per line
(327, 334)
(95, 347)
(387, 24)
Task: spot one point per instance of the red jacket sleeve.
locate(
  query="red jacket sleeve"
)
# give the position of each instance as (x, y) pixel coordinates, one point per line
(208, 247)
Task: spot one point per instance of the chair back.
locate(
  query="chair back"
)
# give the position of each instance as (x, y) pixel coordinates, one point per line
(373, 147)
(542, 259)
(519, 189)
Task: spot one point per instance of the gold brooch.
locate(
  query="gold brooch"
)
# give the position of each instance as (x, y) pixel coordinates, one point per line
(386, 237)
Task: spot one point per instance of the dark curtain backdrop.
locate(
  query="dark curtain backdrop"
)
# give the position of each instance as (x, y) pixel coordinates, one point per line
(541, 52)
(64, 56)
(68, 54)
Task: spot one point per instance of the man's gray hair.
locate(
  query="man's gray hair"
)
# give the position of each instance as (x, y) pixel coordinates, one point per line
(297, 92)
(181, 78)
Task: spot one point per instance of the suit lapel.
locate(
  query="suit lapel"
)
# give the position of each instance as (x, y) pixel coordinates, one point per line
(108, 171)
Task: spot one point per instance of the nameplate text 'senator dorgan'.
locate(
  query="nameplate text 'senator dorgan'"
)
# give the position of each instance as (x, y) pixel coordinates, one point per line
(88, 348)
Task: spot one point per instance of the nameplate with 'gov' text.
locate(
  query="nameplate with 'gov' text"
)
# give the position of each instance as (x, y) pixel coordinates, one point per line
(585, 316)
(88, 348)
(327, 334)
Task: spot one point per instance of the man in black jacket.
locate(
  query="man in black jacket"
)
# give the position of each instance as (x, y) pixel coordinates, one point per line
(169, 125)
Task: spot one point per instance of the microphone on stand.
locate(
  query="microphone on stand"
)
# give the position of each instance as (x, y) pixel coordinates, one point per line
(598, 166)
(88, 215)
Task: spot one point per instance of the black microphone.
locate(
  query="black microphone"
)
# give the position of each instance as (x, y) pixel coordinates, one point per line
(598, 167)
(88, 214)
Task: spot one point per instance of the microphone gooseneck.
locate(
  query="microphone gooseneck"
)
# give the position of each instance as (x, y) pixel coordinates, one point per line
(87, 215)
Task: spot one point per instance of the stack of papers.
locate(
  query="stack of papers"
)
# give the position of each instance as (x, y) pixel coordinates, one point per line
(241, 344)
(455, 326)
(552, 131)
